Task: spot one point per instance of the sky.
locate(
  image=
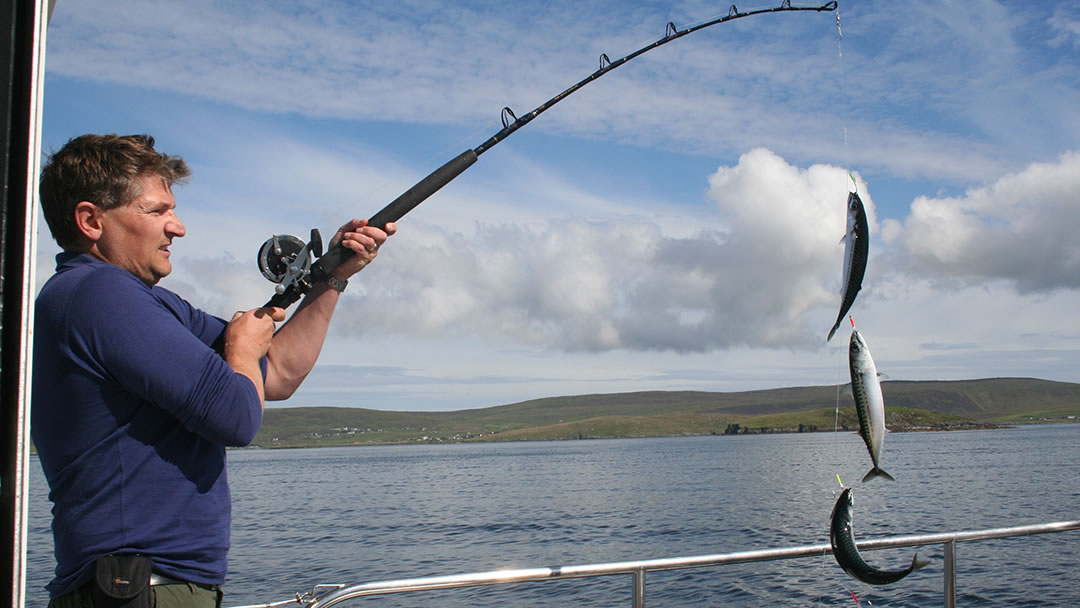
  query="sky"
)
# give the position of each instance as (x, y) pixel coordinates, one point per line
(674, 225)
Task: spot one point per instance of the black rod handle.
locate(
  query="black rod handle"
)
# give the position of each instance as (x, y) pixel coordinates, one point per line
(398, 208)
(423, 189)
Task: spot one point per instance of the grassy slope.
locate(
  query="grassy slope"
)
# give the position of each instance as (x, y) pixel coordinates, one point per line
(656, 413)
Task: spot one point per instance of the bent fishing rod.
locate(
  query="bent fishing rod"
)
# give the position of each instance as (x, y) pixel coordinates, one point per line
(291, 263)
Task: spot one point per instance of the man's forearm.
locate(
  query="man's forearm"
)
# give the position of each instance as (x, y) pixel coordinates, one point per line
(297, 344)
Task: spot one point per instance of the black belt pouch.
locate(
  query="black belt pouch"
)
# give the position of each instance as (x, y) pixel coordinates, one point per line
(122, 581)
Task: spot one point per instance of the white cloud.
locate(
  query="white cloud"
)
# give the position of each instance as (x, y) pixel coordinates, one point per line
(1021, 229)
(1065, 24)
(578, 285)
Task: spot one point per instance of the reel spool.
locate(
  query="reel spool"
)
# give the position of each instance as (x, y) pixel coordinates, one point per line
(286, 260)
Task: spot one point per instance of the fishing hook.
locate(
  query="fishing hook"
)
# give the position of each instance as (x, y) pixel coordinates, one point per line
(320, 270)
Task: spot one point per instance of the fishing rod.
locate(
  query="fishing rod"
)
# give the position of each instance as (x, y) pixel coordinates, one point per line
(289, 262)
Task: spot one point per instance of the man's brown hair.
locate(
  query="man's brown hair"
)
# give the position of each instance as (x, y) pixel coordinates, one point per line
(101, 169)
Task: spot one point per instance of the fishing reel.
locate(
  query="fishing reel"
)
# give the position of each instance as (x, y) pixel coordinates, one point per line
(286, 261)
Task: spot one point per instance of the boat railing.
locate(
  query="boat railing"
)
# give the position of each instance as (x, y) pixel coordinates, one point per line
(325, 596)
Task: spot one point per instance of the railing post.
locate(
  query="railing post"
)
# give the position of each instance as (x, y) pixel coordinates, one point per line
(639, 588)
(950, 574)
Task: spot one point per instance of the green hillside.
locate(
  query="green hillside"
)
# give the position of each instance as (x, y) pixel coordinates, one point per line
(909, 405)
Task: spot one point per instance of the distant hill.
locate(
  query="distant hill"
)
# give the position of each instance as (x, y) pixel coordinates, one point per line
(909, 405)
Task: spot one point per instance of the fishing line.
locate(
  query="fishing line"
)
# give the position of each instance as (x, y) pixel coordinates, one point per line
(855, 185)
(842, 80)
(847, 163)
(840, 384)
(840, 367)
(836, 423)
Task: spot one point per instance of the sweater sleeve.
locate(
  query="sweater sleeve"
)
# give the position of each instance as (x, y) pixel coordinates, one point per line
(158, 348)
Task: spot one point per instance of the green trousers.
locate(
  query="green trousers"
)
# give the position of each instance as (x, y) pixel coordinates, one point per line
(184, 595)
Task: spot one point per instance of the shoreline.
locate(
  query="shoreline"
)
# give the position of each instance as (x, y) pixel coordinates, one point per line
(775, 431)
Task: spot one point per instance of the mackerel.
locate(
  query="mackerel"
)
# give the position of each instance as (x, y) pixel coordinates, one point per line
(869, 403)
(842, 539)
(856, 250)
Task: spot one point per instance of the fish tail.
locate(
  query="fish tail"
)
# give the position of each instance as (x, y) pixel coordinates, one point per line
(917, 563)
(877, 472)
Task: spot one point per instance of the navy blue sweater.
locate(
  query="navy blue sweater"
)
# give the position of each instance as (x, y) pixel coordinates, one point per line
(132, 407)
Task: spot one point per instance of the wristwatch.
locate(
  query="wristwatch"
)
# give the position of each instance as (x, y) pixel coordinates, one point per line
(336, 283)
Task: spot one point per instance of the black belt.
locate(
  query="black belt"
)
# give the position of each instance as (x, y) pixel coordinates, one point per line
(160, 579)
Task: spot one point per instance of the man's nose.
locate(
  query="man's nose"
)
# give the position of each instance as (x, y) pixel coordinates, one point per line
(175, 227)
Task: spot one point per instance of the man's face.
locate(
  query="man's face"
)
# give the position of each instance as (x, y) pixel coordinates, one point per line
(136, 236)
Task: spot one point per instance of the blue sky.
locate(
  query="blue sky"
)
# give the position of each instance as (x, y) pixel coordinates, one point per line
(674, 225)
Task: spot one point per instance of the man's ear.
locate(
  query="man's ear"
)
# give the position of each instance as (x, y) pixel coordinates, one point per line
(88, 220)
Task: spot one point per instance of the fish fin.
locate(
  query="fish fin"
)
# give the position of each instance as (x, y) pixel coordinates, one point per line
(883, 376)
(847, 391)
(843, 239)
(877, 472)
(917, 563)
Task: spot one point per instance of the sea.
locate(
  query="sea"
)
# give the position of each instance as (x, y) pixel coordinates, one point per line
(352, 515)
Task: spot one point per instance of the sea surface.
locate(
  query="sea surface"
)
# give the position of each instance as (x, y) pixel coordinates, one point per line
(365, 514)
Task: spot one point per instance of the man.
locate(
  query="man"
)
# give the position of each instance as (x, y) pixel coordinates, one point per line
(136, 393)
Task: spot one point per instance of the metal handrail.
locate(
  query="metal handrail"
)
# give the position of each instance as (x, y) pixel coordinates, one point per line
(638, 568)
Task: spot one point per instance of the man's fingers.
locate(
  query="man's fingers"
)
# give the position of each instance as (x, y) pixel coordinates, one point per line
(275, 313)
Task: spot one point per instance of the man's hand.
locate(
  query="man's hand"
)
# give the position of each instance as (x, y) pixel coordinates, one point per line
(364, 241)
(247, 339)
(249, 333)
